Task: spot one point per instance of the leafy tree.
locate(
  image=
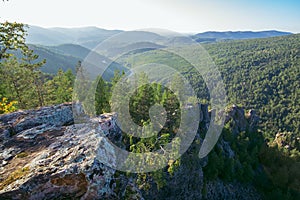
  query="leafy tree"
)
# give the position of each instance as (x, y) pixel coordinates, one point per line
(12, 37)
(21, 80)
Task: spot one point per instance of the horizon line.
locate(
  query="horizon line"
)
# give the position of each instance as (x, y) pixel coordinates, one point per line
(153, 28)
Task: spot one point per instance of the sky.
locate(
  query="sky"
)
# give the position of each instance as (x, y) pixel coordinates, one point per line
(187, 16)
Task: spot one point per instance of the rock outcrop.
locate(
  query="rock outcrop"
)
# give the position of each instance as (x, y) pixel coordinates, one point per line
(45, 117)
(240, 121)
(44, 159)
(220, 190)
(45, 155)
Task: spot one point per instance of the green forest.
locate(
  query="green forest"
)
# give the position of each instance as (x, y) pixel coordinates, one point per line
(259, 74)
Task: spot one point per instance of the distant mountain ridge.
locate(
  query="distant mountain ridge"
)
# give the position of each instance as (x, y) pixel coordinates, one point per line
(212, 36)
(86, 36)
(90, 37)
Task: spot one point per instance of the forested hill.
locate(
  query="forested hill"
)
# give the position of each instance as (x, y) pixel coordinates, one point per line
(67, 56)
(259, 74)
(263, 74)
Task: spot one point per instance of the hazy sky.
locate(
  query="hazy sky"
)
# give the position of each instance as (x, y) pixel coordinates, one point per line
(177, 15)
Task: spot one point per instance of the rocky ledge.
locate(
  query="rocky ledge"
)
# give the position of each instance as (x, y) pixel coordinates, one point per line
(44, 155)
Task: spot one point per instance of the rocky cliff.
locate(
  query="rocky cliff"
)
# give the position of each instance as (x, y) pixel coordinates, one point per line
(45, 155)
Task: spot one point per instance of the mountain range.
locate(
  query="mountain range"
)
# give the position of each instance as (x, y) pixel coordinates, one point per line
(89, 37)
(64, 47)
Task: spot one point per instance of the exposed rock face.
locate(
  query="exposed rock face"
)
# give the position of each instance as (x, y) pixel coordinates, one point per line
(253, 120)
(45, 160)
(241, 121)
(44, 155)
(35, 121)
(219, 190)
(186, 183)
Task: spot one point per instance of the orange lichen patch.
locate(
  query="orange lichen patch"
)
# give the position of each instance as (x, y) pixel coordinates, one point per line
(77, 182)
(17, 174)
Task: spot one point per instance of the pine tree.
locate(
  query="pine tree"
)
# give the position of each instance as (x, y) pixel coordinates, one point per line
(33, 66)
(60, 88)
(15, 78)
(101, 96)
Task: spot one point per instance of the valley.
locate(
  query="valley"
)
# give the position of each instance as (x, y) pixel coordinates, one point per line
(257, 155)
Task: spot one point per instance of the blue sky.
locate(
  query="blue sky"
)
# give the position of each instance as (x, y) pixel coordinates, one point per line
(178, 15)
